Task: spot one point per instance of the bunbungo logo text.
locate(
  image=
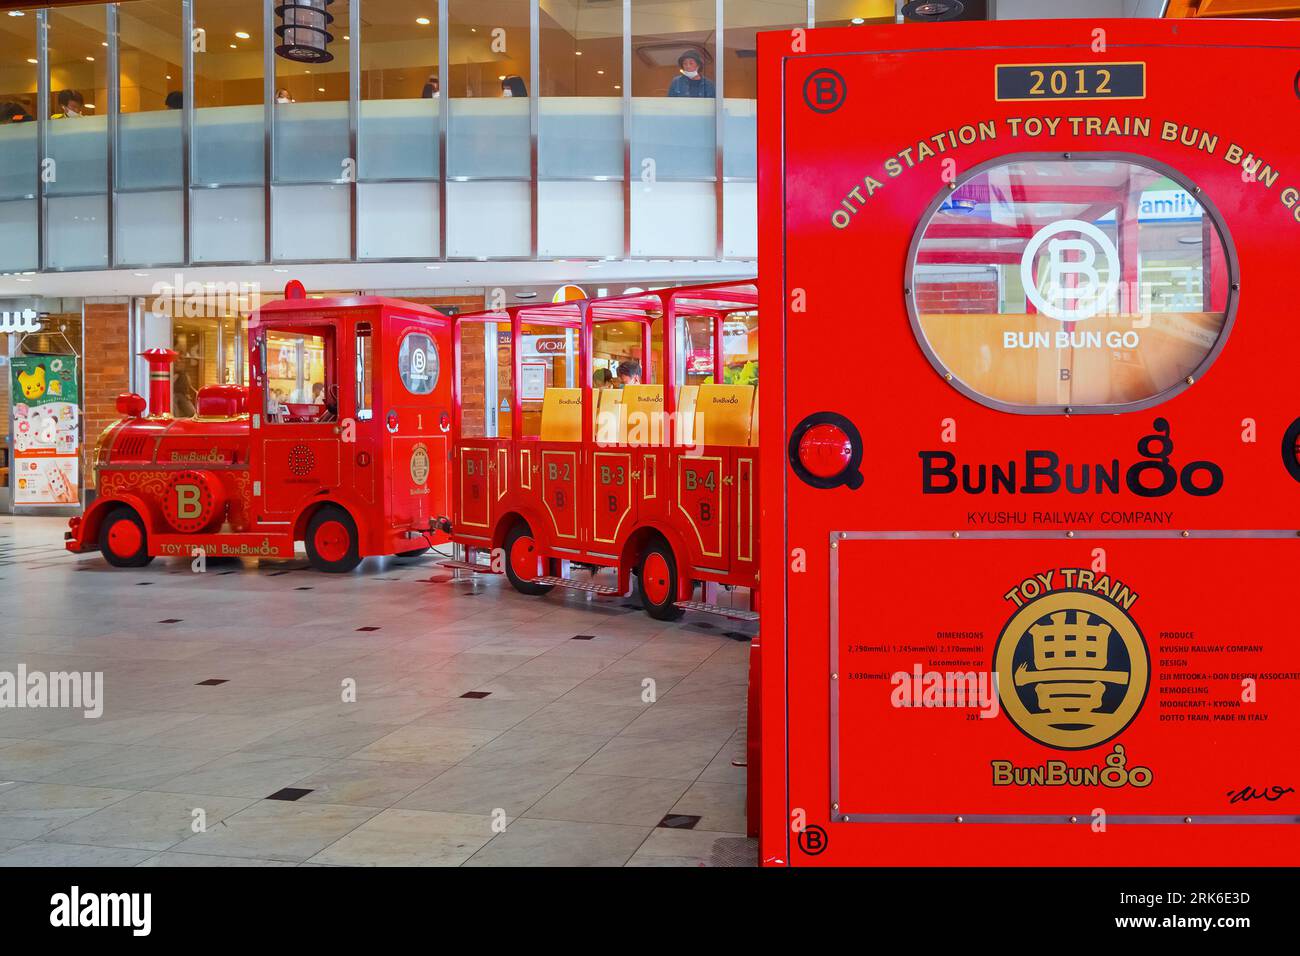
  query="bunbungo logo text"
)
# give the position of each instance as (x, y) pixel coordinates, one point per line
(1042, 472)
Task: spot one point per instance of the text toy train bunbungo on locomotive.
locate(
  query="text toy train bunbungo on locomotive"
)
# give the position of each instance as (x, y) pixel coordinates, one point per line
(340, 441)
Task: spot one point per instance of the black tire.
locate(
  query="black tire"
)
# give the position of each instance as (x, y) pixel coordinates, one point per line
(339, 559)
(522, 585)
(137, 558)
(414, 552)
(661, 601)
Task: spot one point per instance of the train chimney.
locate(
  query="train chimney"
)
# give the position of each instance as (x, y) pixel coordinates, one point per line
(160, 380)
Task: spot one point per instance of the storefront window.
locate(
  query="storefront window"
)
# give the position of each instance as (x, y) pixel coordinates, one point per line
(1077, 284)
(674, 86)
(742, 21)
(77, 208)
(150, 98)
(149, 219)
(18, 142)
(854, 13)
(400, 91)
(228, 120)
(489, 92)
(580, 127)
(311, 110)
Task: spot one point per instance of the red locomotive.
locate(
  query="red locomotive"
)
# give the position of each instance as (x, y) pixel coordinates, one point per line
(340, 441)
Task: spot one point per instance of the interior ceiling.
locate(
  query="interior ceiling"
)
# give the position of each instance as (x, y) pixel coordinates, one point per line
(154, 26)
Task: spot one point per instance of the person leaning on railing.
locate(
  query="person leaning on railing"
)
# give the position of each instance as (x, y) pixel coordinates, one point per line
(691, 81)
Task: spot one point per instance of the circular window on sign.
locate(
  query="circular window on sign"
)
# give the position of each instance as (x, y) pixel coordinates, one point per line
(417, 363)
(1095, 284)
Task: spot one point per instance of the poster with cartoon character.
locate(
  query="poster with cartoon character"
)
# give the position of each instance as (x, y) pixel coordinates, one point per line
(46, 430)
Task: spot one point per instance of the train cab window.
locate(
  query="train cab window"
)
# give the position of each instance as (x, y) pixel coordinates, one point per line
(1091, 284)
(365, 372)
(299, 375)
(486, 395)
(417, 363)
(550, 395)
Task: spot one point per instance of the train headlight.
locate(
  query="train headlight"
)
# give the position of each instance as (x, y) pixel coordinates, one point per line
(826, 451)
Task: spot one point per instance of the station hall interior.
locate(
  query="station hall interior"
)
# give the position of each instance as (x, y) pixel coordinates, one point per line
(541, 174)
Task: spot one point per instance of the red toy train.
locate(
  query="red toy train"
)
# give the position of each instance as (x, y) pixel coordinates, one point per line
(302, 454)
(362, 414)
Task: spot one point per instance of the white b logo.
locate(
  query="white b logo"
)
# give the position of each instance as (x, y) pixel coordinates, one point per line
(418, 361)
(1086, 293)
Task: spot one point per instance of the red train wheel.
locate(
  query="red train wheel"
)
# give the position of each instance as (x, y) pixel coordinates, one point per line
(122, 539)
(522, 561)
(332, 540)
(657, 582)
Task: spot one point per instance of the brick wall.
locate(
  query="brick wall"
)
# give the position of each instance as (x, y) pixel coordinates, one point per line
(107, 372)
(937, 298)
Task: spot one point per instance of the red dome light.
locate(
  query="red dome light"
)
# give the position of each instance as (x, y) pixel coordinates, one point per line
(825, 450)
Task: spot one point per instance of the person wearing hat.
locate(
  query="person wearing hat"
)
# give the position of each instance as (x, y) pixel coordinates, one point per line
(690, 81)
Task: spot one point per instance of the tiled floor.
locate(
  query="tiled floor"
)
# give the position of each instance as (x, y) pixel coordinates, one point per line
(577, 753)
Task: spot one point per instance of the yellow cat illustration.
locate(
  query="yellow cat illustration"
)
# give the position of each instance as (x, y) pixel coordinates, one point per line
(33, 382)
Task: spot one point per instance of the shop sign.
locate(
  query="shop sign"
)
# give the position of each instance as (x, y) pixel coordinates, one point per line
(26, 320)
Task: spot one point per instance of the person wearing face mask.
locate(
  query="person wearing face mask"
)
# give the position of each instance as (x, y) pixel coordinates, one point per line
(71, 103)
(690, 81)
(513, 86)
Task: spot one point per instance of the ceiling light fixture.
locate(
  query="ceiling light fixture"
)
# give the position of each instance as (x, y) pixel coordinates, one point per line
(303, 29)
(932, 11)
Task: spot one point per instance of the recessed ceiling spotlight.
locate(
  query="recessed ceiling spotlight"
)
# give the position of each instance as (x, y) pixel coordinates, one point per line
(857, 21)
(242, 34)
(422, 21)
(17, 13)
(930, 11)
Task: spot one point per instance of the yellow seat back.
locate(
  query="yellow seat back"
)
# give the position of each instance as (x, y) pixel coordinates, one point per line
(561, 414)
(610, 423)
(687, 402)
(725, 412)
(753, 422)
(645, 414)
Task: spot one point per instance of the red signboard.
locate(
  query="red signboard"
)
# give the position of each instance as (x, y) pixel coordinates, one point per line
(1061, 677)
(1036, 532)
